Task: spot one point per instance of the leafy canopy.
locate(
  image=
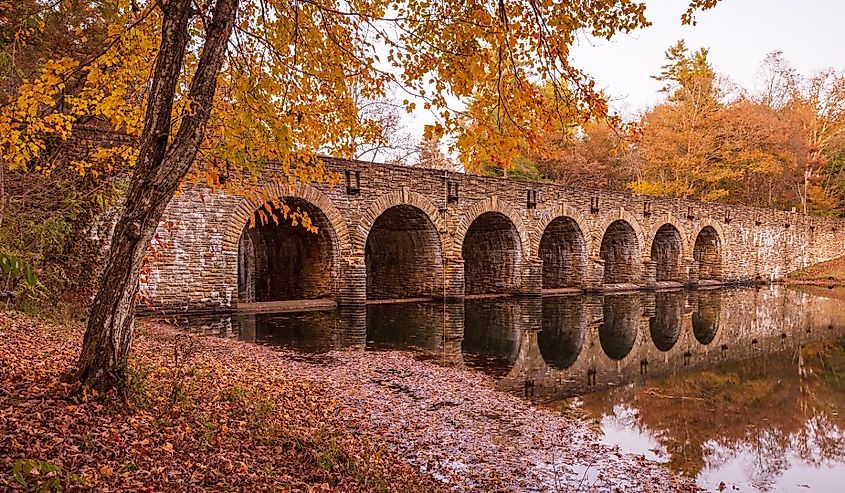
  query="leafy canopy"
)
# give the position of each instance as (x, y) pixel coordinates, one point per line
(296, 73)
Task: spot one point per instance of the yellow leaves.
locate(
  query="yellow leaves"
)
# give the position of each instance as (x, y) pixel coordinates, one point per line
(661, 188)
(821, 201)
(105, 160)
(110, 86)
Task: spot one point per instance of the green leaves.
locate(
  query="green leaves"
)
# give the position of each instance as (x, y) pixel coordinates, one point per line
(38, 475)
(14, 268)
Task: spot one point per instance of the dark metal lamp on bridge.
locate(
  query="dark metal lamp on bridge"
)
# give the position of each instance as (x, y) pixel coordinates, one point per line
(451, 192)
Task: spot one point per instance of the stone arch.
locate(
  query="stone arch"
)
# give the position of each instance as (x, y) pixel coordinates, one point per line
(707, 252)
(620, 250)
(494, 247)
(667, 252)
(403, 255)
(274, 262)
(491, 204)
(388, 200)
(598, 232)
(560, 243)
(249, 205)
(549, 215)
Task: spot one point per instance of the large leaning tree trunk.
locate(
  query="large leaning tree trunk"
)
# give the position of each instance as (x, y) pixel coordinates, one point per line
(162, 163)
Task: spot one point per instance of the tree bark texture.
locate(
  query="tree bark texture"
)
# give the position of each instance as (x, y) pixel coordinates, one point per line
(161, 165)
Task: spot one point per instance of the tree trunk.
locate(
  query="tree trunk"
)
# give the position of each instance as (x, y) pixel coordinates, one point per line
(161, 165)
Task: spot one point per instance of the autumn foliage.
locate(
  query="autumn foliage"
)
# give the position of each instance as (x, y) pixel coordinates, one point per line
(779, 144)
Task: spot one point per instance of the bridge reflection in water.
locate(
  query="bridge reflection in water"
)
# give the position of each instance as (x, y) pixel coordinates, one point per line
(561, 346)
(684, 374)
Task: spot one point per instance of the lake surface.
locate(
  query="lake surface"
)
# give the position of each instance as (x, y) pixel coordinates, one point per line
(744, 387)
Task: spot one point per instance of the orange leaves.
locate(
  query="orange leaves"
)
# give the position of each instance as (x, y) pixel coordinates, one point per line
(299, 74)
(243, 421)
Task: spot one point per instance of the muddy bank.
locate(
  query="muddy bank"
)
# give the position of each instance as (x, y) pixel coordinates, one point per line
(201, 414)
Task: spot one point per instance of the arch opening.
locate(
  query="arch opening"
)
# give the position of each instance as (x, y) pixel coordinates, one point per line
(666, 253)
(564, 254)
(620, 251)
(621, 322)
(492, 256)
(707, 253)
(665, 325)
(279, 261)
(403, 256)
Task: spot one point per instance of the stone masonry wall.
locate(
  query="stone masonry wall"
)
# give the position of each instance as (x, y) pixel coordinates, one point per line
(200, 271)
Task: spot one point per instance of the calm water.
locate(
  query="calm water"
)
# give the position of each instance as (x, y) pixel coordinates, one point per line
(741, 386)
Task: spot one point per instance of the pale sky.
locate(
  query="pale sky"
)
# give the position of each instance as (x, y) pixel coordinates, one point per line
(739, 34)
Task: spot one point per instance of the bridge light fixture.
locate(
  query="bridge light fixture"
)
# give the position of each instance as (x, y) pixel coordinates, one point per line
(690, 215)
(532, 199)
(451, 192)
(353, 182)
(728, 216)
(594, 205)
(646, 209)
(757, 220)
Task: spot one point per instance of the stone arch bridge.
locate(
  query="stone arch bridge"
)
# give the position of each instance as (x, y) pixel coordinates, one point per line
(389, 232)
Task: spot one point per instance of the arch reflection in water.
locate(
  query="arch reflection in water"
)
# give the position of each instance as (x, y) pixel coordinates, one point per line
(665, 325)
(705, 319)
(434, 328)
(564, 330)
(620, 325)
(493, 332)
(312, 332)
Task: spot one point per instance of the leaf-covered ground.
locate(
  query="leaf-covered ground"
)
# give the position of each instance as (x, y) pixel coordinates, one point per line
(213, 414)
(203, 415)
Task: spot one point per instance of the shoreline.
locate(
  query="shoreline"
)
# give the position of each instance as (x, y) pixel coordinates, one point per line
(356, 421)
(455, 425)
